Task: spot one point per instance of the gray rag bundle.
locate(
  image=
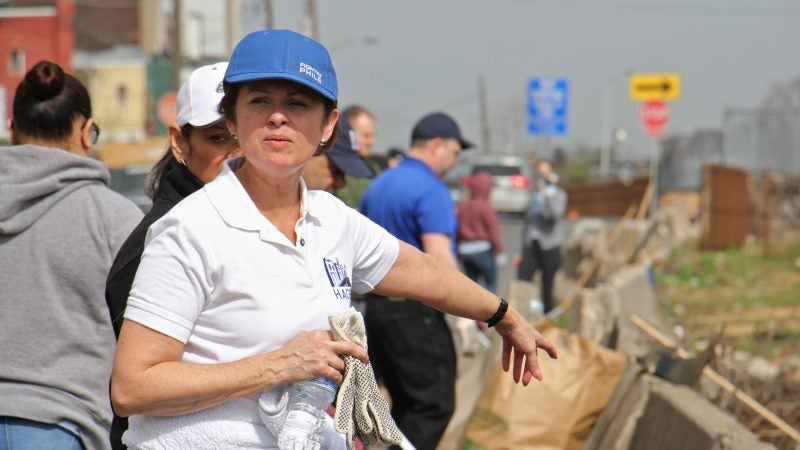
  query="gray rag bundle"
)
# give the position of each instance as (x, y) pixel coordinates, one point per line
(361, 408)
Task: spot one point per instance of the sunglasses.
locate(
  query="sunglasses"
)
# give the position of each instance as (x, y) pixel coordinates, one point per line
(94, 133)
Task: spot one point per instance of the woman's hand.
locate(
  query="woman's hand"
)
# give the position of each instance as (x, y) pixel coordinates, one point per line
(523, 340)
(313, 354)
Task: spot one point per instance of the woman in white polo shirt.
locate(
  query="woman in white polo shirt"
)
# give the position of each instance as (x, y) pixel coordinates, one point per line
(237, 281)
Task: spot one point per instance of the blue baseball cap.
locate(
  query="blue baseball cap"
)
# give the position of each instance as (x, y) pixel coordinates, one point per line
(286, 55)
(344, 153)
(439, 125)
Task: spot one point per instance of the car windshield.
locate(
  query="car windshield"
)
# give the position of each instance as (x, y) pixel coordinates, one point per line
(496, 170)
(128, 179)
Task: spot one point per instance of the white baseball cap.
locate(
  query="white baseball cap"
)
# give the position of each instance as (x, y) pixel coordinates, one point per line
(199, 96)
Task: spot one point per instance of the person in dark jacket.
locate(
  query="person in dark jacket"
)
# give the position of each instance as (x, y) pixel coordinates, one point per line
(199, 144)
(478, 233)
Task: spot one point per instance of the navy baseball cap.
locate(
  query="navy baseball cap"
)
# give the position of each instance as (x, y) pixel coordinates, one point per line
(439, 125)
(286, 55)
(344, 153)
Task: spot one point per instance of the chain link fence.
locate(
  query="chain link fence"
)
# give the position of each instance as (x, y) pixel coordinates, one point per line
(760, 139)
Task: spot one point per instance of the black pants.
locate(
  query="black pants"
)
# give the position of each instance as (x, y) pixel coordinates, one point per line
(411, 349)
(548, 262)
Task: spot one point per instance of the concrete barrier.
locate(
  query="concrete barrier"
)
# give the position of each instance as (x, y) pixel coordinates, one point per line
(637, 295)
(595, 313)
(646, 412)
(601, 314)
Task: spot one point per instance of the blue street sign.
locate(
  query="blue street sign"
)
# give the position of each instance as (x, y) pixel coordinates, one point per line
(547, 106)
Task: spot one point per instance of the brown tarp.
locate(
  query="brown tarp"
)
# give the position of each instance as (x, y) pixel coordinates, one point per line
(555, 414)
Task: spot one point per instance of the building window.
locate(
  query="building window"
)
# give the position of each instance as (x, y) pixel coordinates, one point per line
(122, 95)
(16, 62)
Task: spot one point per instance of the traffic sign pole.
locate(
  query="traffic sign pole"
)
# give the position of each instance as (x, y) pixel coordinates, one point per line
(654, 90)
(654, 162)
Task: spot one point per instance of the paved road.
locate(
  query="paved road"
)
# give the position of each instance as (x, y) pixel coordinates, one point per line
(510, 231)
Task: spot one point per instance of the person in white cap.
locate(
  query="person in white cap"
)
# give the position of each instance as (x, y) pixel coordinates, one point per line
(199, 143)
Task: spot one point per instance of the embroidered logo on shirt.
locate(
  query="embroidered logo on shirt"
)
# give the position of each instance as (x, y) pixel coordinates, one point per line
(337, 275)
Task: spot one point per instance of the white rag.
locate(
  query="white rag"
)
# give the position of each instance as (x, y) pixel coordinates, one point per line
(235, 424)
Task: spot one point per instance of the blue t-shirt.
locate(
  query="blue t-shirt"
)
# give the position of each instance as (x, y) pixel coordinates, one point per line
(409, 201)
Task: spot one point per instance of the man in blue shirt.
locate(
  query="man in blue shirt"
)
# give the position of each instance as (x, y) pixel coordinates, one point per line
(410, 345)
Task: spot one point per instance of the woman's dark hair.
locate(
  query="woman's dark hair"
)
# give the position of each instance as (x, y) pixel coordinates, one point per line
(47, 102)
(227, 107)
(164, 165)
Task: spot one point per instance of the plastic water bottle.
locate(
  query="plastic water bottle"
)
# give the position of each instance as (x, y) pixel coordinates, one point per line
(308, 401)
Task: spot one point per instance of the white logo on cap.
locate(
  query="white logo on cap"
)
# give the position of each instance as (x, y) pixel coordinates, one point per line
(219, 88)
(312, 72)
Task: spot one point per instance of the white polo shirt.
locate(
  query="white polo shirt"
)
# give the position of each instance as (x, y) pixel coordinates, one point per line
(219, 277)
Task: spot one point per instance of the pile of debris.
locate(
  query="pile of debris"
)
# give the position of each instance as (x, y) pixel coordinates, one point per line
(772, 383)
(653, 394)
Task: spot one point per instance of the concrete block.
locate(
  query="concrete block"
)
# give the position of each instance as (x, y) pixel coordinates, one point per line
(637, 296)
(595, 313)
(679, 417)
(616, 425)
(646, 412)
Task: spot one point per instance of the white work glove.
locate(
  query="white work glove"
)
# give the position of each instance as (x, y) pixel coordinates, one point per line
(361, 409)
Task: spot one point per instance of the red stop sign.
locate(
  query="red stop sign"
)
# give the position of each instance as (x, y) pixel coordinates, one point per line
(654, 116)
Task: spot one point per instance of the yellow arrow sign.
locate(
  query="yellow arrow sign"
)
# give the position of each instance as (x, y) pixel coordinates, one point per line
(645, 87)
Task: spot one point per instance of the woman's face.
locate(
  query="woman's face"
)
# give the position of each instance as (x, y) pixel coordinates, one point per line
(280, 124)
(206, 149)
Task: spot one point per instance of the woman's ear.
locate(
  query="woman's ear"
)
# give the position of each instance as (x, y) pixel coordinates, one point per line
(86, 136)
(330, 124)
(10, 127)
(231, 125)
(177, 144)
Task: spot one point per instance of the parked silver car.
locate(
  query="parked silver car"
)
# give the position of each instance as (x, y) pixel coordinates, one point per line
(511, 176)
(129, 181)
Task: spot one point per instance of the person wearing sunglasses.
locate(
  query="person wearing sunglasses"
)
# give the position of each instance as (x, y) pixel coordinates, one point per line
(60, 228)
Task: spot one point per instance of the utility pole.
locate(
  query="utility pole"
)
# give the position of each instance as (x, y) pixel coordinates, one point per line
(270, 6)
(233, 12)
(484, 114)
(311, 12)
(605, 120)
(177, 45)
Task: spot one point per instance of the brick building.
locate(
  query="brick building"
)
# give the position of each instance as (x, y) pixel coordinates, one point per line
(29, 32)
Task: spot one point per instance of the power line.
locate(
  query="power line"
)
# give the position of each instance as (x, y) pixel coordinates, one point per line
(756, 9)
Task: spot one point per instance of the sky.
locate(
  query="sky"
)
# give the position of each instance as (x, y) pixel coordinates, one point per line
(403, 59)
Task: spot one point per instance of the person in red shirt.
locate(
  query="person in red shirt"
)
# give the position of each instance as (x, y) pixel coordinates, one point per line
(478, 233)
